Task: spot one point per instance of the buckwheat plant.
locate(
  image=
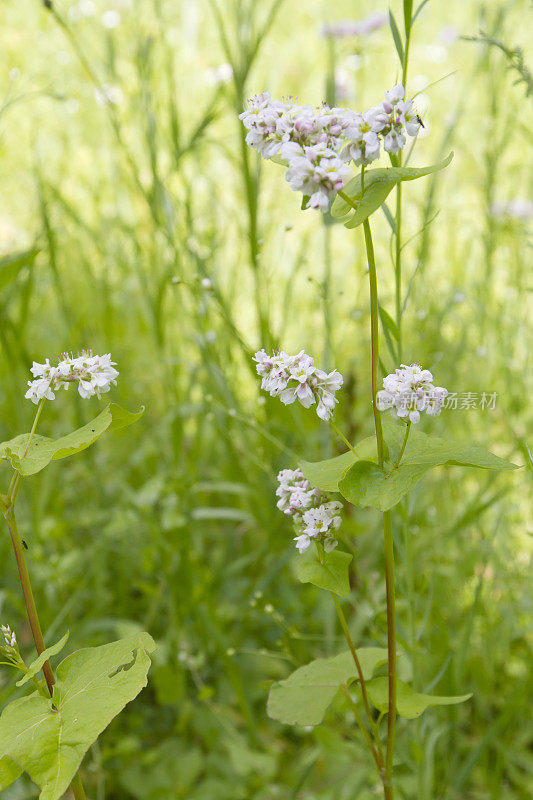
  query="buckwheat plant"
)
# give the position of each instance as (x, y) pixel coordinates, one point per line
(47, 732)
(319, 147)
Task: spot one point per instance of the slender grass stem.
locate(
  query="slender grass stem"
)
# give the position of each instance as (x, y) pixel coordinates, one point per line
(77, 788)
(387, 523)
(404, 445)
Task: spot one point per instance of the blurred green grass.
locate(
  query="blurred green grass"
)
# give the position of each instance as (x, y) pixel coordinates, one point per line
(172, 525)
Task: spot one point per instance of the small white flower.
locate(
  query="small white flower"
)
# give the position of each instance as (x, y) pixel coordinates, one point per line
(94, 375)
(408, 391)
(9, 636)
(297, 378)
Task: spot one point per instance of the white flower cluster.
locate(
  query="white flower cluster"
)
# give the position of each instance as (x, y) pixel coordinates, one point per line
(317, 144)
(9, 636)
(93, 374)
(352, 27)
(408, 391)
(314, 519)
(297, 378)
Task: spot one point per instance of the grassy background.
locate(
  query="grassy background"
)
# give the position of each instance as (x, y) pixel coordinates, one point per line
(171, 526)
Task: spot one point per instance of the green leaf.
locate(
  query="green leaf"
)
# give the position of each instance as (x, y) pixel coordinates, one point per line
(388, 322)
(36, 665)
(325, 475)
(378, 185)
(365, 484)
(10, 266)
(9, 772)
(409, 704)
(396, 36)
(331, 573)
(43, 450)
(407, 16)
(48, 738)
(304, 697)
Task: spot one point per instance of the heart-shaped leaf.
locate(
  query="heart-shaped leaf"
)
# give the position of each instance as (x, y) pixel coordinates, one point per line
(325, 475)
(330, 572)
(304, 697)
(365, 484)
(378, 184)
(48, 738)
(43, 450)
(409, 704)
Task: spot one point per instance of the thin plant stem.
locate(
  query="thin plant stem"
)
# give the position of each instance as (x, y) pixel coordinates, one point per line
(15, 480)
(364, 729)
(387, 522)
(342, 436)
(391, 643)
(345, 630)
(29, 599)
(27, 591)
(404, 445)
(374, 335)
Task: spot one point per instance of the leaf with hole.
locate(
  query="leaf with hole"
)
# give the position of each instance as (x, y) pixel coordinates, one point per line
(42, 450)
(409, 704)
(304, 697)
(48, 738)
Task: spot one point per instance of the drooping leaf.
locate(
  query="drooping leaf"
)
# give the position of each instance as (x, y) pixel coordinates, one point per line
(36, 665)
(11, 265)
(304, 697)
(9, 772)
(332, 572)
(365, 484)
(42, 450)
(378, 184)
(325, 475)
(409, 704)
(48, 738)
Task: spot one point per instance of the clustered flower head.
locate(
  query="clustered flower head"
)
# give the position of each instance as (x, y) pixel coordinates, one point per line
(94, 375)
(9, 636)
(408, 391)
(318, 143)
(297, 378)
(314, 519)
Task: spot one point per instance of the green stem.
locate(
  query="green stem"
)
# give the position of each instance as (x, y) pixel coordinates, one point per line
(15, 480)
(364, 730)
(29, 599)
(27, 591)
(398, 264)
(342, 436)
(348, 637)
(402, 451)
(387, 523)
(374, 334)
(391, 643)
